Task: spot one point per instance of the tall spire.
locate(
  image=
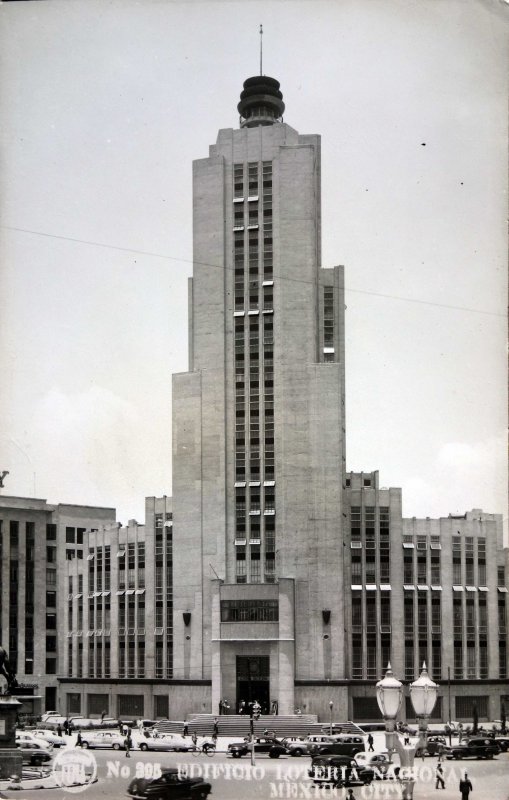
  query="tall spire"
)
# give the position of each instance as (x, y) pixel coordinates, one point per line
(261, 49)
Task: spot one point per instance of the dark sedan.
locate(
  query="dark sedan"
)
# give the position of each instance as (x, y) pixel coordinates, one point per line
(34, 754)
(339, 771)
(273, 747)
(169, 786)
(435, 745)
(476, 748)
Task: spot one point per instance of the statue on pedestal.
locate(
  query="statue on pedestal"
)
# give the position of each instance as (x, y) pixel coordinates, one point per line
(7, 671)
(11, 759)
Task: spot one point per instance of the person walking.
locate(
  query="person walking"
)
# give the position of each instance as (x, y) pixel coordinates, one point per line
(439, 777)
(185, 732)
(371, 749)
(66, 727)
(216, 728)
(59, 729)
(128, 744)
(465, 787)
(78, 739)
(194, 739)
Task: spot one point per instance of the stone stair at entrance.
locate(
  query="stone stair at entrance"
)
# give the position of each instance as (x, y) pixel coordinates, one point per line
(233, 725)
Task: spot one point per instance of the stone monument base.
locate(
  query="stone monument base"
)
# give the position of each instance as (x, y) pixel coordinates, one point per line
(11, 762)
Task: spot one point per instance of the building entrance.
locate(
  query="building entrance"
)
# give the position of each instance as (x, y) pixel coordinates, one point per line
(253, 682)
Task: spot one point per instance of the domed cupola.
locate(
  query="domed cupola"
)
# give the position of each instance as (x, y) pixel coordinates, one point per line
(261, 102)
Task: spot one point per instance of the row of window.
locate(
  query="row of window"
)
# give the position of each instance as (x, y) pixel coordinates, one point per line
(249, 610)
(131, 706)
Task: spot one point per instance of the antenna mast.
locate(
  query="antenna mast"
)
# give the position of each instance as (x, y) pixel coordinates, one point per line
(261, 49)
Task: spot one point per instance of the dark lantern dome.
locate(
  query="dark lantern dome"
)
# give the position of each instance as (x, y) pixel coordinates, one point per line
(261, 102)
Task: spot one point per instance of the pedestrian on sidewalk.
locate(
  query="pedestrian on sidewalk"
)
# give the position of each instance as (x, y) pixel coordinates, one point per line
(371, 749)
(78, 739)
(128, 744)
(465, 787)
(439, 775)
(185, 732)
(59, 729)
(216, 727)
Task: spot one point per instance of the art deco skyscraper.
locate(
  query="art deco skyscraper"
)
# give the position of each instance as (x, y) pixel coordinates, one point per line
(258, 421)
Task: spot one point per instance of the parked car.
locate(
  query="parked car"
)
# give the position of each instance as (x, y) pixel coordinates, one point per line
(48, 714)
(263, 744)
(51, 737)
(170, 741)
(300, 747)
(340, 746)
(434, 745)
(52, 723)
(27, 737)
(103, 739)
(380, 763)
(170, 786)
(339, 771)
(476, 748)
(34, 753)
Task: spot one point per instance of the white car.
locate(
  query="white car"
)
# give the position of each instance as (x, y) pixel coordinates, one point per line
(106, 739)
(170, 741)
(51, 737)
(50, 714)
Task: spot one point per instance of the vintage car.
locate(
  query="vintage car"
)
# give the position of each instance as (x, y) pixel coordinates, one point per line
(481, 747)
(434, 746)
(262, 744)
(168, 741)
(169, 786)
(343, 745)
(339, 771)
(301, 747)
(104, 739)
(34, 752)
(49, 714)
(50, 737)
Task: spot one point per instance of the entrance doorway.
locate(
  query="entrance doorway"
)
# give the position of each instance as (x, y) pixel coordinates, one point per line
(253, 681)
(50, 698)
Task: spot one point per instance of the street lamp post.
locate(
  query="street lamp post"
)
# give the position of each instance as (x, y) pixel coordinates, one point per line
(331, 706)
(423, 695)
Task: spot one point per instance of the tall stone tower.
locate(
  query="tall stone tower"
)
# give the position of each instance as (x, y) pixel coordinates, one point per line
(258, 423)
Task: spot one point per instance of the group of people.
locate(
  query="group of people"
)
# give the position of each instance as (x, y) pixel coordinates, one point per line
(252, 707)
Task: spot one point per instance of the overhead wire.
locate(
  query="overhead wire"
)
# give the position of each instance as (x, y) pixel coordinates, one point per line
(288, 278)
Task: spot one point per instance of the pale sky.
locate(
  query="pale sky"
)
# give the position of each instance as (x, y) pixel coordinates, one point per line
(104, 106)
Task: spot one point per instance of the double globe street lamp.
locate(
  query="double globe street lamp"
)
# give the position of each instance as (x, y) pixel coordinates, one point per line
(423, 695)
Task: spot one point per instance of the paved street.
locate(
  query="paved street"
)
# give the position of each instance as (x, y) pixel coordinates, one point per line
(281, 778)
